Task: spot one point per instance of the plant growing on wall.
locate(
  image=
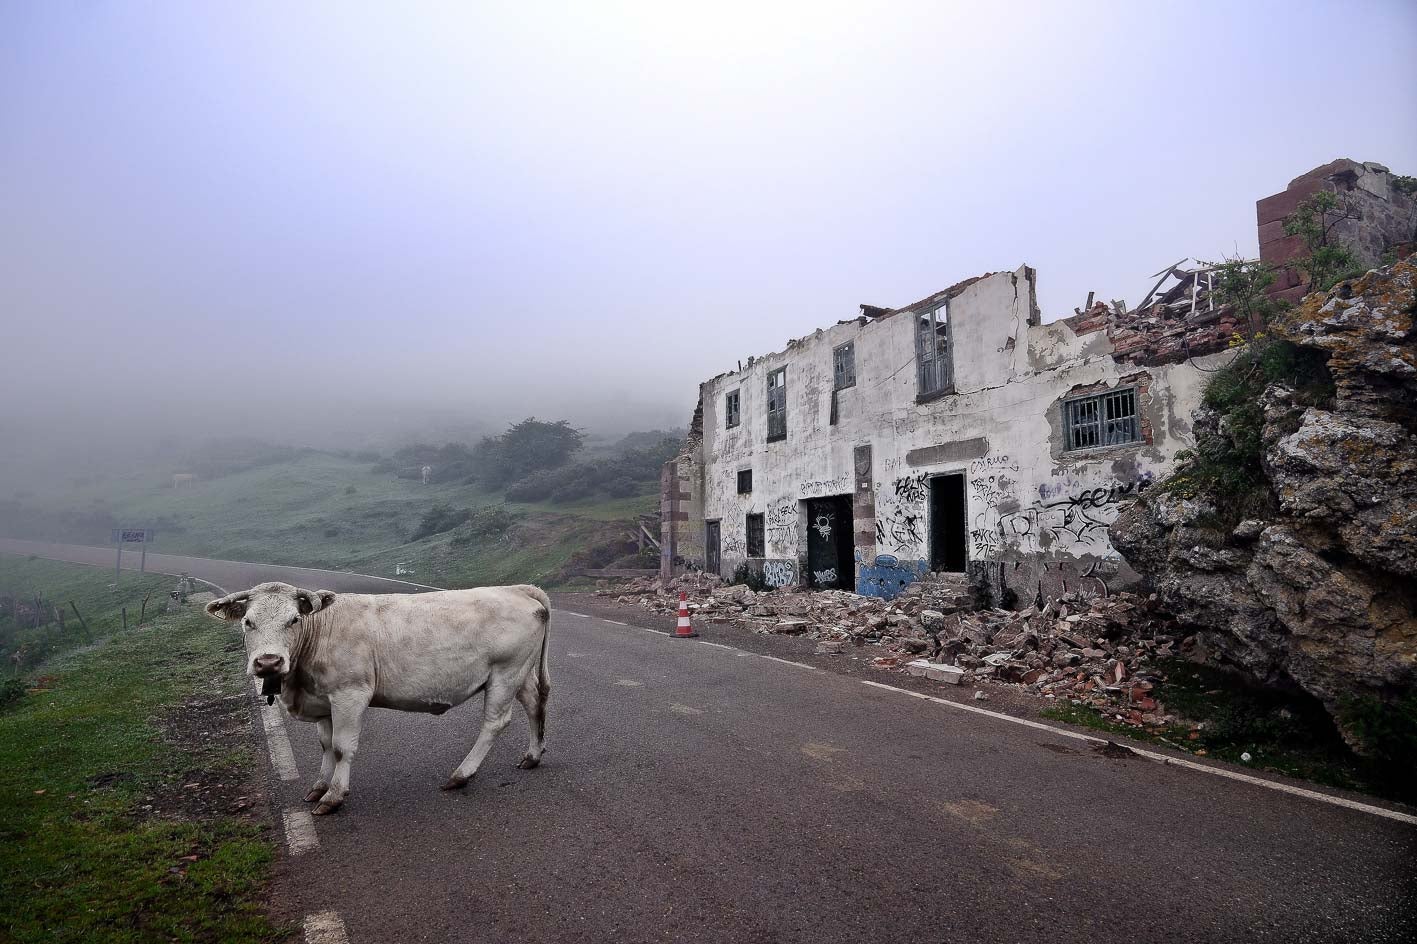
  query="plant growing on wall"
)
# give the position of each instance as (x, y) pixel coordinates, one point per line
(1243, 285)
(1326, 261)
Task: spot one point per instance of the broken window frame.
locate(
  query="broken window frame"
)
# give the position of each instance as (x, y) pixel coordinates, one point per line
(756, 530)
(732, 409)
(745, 481)
(934, 354)
(844, 366)
(777, 404)
(1100, 420)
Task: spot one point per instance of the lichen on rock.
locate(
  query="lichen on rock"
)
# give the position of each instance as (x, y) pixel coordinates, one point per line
(1318, 593)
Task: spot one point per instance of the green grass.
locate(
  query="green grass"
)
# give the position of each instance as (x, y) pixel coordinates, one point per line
(94, 592)
(1285, 734)
(86, 749)
(322, 510)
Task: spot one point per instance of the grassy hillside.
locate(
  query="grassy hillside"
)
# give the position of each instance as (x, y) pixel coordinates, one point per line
(128, 770)
(324, 510)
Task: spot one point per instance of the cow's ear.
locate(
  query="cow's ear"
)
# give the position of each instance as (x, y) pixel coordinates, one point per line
(308, 602)
(228, 608)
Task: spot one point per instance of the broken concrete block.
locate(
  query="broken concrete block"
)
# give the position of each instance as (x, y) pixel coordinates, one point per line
(952, 674)
(918, 667)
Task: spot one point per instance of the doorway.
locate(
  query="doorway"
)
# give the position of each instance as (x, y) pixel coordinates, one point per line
(713, 553)
(948, 525)
(831, 564)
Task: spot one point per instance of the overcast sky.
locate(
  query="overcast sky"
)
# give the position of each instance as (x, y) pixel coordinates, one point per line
(272, 213)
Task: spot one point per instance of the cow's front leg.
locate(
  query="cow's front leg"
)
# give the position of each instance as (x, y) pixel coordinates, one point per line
(327, 760)
(346, 715)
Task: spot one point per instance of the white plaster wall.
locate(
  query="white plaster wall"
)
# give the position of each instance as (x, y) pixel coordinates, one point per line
(1027, 501)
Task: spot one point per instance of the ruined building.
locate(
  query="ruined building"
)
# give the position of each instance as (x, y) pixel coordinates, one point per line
(959, 433)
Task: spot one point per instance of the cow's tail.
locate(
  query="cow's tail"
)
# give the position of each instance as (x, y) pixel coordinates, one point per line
(543, 671)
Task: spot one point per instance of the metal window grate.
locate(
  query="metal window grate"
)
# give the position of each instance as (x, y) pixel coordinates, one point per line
(844, 366)
(757, 545)
(932, 352)
(777, 404)
(732, 412)
(745, 481)
(1107, 419)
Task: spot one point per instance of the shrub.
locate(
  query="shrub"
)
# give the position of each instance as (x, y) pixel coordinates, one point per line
(1387, 729)
(438, 519)
(750, 578)
(1225, 466)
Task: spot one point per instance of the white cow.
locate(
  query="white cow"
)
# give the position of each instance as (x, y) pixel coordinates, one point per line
(332, 656)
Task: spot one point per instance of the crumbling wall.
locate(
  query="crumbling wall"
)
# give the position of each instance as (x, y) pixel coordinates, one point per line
(1037, 517)
(1387, 217)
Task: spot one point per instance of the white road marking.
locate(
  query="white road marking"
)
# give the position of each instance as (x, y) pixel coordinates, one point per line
(615, 622)
(325, 927)
(800, 665)
(581, 615)
(277, 743)
(1164, 758)
(300, 832)
(716, 645)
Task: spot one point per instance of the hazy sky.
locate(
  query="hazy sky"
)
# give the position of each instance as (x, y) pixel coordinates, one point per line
(278, 213)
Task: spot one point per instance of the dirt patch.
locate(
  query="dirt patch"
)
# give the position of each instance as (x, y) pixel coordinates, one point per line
(216, 738)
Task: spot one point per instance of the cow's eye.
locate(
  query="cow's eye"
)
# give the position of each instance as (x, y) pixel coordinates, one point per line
(246, 624)
(293, 621)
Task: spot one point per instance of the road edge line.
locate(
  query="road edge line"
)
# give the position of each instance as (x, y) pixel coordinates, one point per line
(1164, 759)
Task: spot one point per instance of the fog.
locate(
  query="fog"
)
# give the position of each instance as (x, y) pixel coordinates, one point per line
(334, 225)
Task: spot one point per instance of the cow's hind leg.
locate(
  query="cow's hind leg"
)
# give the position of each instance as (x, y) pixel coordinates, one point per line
(346, 715)
(327, 760)
(496, 714)
(533, 696)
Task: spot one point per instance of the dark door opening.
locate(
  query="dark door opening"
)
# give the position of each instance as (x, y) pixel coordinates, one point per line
(712, 552)
(948, 527)
(831, 564)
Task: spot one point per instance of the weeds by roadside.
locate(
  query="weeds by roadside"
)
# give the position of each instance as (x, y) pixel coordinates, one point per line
(121, 823)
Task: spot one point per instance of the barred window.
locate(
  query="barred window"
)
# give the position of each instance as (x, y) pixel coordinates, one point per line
(777, 405)
(844, 366)
(1106, 419)
(745, 481)
(756, 534)
(932, 352)
(731, 410)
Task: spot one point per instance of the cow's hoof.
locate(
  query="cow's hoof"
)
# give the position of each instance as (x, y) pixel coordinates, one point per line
(455, 782)
(315, 793)
(324, 809)
(528, 762)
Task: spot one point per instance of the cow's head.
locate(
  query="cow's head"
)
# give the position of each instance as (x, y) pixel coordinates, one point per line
(269, 614)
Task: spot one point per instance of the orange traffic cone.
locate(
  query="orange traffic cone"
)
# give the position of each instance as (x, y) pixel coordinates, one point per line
(685, 629)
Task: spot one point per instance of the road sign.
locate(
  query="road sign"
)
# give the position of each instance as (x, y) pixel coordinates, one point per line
(121, 536)
(132, 535)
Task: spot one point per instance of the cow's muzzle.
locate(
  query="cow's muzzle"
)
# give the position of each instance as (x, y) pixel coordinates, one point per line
(266, 666)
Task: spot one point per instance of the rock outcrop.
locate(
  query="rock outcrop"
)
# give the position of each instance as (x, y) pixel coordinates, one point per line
(1322, 592)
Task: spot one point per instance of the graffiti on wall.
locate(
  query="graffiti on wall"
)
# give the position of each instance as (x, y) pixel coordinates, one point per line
(825, 578)
(779, 573)
(911, 489)
(900, 513)
(899, 529)
(833, 486)
(822, 524)
(780, 523)
(1065, 517)
(888, 576)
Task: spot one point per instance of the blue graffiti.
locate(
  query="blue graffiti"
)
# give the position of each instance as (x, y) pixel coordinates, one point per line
(888, 576)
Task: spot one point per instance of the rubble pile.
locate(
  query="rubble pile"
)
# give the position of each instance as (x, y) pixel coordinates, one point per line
(1090, 649)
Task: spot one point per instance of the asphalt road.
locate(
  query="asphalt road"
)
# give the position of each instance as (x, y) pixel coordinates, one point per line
(698, 793)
